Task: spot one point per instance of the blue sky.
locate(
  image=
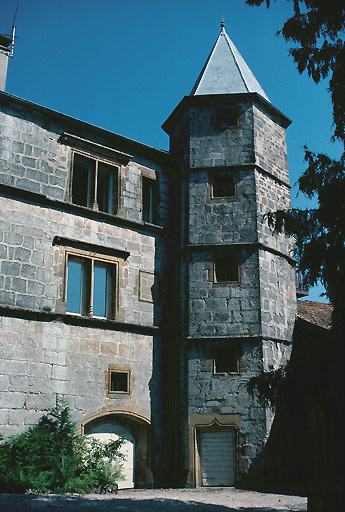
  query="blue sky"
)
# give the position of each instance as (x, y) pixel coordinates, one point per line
(125, 65)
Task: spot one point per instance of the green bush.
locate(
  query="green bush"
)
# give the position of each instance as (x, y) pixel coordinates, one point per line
(51, 457)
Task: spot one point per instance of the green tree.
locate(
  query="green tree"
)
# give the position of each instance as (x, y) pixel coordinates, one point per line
(51, 457)
(316, 31)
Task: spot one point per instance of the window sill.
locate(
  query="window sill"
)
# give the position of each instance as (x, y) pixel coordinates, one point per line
(151, 225)
(78, 320)
(226, 374)
(118, 394)
(226, 283)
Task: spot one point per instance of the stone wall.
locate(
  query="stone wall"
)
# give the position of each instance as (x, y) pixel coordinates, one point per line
(278, 296)
(34, 158)
(44, 350)
(42, 359)
(30, 156)
(270, 144)
(221, 309)
(33, 267)
(270, 197)
(218, 395)
(222, 220)
(210, 147)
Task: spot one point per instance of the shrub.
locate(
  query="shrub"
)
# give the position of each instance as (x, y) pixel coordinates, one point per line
(51, 457)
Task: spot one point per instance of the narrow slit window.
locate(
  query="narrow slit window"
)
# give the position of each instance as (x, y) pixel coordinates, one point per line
(150, 200)
(83, 181)
(102, 290)
(106, 199)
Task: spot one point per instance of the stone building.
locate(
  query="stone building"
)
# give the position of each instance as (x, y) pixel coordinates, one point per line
(144, 286)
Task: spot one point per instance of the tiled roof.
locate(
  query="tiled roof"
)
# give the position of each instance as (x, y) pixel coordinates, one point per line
(316, 313)
(225, 71)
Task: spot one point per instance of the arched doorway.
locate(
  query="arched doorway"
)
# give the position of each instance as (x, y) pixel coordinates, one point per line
(109, 431)
(135, 430)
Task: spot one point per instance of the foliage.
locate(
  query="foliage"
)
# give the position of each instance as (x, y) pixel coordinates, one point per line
(51, 457)
(319, 233)
(268, 386)
(317, 30)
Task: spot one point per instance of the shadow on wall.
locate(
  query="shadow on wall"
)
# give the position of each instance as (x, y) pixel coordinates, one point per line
(300, 452)
(162, 457)
(39, 503)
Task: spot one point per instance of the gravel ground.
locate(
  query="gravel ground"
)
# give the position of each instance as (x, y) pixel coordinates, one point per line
(157, 500)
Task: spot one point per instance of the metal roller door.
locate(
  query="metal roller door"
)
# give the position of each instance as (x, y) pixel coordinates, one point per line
(217, 458)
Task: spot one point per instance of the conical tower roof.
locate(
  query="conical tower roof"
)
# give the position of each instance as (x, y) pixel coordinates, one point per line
(225, 71)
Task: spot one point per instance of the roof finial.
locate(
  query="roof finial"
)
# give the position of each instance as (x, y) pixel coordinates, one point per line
(222, 25)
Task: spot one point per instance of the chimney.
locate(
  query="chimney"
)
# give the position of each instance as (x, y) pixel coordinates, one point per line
(5, 52)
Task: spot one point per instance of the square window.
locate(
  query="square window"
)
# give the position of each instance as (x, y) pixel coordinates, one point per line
(227, 360)
(226, 269)
(223, 185)
(118, 382)
(90, 287)
(150, 200)
(226, 118)
(94, 184)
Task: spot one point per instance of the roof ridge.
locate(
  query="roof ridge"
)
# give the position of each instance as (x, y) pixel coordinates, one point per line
(228, 40)
(225, 71)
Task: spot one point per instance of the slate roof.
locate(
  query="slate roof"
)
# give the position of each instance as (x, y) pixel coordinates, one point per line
(225, 71)
(316, 313)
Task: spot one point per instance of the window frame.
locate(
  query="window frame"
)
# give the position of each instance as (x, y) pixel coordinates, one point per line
(214, 174)
(118, 369)
(235, 257)
(154, 206)
(235, 347)
(91, 258)
(221, 114)
(97, 162)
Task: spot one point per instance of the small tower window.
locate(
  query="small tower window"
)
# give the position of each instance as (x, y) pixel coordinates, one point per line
(226, 269)
(226, 118)
(223, 185)
(227, 360)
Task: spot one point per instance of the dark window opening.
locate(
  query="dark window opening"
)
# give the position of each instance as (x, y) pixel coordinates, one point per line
(150, 200)
(227, 118)
(94, 184)
(106, 188)
(227, 360)
(119, 382)
(226, 269)
(223, 185)
(83, 181)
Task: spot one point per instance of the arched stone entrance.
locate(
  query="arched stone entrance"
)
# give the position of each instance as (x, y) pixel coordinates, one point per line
(136, 433)
(109, 431)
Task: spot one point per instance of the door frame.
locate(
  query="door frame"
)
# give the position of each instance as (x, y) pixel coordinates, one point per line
(214, 428)
(210, 422)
